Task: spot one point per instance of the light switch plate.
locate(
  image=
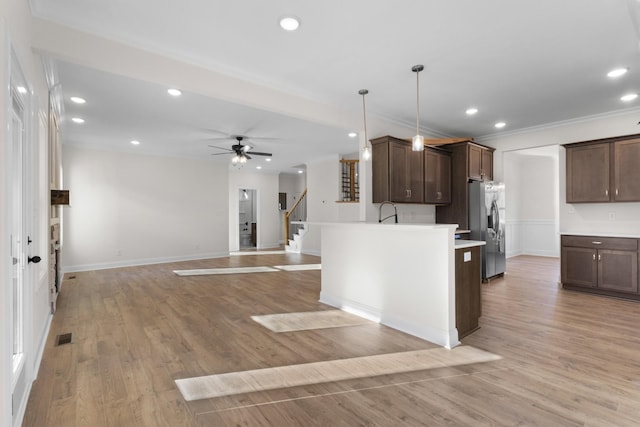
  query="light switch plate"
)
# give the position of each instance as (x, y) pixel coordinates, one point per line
(467, 256)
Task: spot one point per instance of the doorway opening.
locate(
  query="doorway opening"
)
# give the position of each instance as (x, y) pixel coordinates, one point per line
(247, 218)
(533, 204)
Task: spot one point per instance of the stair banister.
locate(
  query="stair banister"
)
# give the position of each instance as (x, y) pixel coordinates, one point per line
(288, 214)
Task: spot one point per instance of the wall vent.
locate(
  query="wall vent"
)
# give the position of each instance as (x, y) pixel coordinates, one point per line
(63, 339)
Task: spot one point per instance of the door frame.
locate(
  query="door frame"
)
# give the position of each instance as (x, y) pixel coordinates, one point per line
(234, 217)
(21, 378)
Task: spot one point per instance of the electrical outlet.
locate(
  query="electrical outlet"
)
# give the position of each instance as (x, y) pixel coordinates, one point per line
(612, 216)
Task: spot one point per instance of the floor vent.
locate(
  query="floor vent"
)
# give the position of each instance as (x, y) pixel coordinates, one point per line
(63, 339)
(71, 277)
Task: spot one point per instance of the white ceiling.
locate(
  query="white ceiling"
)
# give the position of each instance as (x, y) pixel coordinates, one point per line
(528, 63)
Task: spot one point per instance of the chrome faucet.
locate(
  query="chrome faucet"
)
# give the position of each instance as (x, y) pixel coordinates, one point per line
(395, 209)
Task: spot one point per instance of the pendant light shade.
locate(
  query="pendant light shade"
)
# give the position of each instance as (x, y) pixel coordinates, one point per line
(366, 150)
(418, 140)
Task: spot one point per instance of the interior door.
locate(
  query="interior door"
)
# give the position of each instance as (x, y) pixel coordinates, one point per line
(18, 255)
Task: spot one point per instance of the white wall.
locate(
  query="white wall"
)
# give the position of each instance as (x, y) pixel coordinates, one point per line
(293, 185)
(532, 183)
(587, 217)
(130, 209)
(268, 221)
(15, 34)
(324, 185)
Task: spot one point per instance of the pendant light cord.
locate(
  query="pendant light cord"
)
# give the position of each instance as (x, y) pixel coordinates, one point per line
(363, 92)
(418, 102)
(364, 113)
(416, 69)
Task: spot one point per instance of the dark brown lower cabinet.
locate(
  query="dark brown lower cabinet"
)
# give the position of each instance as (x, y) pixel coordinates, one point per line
(603, 265)
(468, 297)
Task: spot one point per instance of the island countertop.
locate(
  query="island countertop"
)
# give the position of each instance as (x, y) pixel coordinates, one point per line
(461, 244)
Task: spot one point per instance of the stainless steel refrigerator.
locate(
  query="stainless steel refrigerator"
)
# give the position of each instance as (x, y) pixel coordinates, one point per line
(487, 223)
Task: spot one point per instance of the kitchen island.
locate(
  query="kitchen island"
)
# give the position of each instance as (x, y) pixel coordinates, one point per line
(401, 275)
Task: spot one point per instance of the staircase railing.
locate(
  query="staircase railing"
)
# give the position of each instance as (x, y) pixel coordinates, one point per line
(298, 212)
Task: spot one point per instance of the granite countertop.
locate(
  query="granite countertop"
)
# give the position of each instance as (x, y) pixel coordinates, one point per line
(600, 234)
(461, 244)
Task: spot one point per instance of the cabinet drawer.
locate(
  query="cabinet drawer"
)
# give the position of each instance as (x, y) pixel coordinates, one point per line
(595, 242)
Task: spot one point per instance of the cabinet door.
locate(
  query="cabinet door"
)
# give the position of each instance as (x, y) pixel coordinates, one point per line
(380, 172)
(487, 165)
(468, 295)
(588, 173)
(618, 270)
(626, 185)
(579, 266)
(416, 176)
(437, 177)
(405, 174)
(474, 161)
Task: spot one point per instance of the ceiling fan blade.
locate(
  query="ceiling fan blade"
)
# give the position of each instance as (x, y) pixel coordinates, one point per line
(220, 148)
(248, 156)
(257, 153)
(221, 154)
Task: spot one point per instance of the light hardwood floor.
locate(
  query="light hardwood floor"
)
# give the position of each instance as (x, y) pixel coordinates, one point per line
(569, 359)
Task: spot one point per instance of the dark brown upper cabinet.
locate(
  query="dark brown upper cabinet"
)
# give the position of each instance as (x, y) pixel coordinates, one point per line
(397, 171)
(437, 177)
(606, 170)
(626, 170)
(469, 161)
(480, 162)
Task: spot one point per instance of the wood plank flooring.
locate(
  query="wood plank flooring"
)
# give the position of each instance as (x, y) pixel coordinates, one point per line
(568, 359)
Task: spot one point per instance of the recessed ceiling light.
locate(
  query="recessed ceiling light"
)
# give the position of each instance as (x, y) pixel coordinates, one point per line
(352, 134)
(617, 72)
(174, 92)
(21, 89)
(135, 142)
(299, 171)
(77, 120)
(629, 97)
(471, 111)
(258, 167)
(268, 159)
(500, 125)
(77, 100)
(289, 23)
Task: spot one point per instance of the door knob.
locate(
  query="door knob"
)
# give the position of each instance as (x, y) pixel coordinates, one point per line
(36, 259)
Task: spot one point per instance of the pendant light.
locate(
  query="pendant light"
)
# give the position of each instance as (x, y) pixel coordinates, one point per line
(366, 151)
(418, 140)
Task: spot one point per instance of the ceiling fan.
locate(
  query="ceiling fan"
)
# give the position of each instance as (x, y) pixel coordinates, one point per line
(240, 150)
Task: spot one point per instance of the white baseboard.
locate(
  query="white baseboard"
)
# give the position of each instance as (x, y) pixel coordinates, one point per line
(548, 254)
(311, 252)
(138, 262)
(41, 346)
(447, 339)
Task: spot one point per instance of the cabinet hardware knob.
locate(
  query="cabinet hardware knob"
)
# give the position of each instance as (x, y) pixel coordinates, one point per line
(606, 192)
(594, 257)
(597, 243)
(616, 191)
(599, 257)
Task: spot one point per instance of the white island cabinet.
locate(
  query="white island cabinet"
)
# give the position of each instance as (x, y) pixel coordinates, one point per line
(401, 275)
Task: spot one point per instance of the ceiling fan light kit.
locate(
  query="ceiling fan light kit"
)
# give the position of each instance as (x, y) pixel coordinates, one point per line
(418, 140)
(239, 151)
